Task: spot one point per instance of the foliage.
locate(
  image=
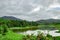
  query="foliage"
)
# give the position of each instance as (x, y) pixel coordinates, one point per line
(3, 29)
(17, 23)
(58, 31)
(13, 36)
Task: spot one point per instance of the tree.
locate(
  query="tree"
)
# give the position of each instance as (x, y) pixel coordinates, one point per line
(3, 29)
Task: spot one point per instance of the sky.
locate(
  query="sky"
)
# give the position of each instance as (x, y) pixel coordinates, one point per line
(31, 10)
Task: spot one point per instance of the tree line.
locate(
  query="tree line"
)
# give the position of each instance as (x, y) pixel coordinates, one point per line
(17, 23)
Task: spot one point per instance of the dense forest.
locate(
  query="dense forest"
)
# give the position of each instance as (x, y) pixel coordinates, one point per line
(17, 23)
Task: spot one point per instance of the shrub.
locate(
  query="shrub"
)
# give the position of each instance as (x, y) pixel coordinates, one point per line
(3, 29)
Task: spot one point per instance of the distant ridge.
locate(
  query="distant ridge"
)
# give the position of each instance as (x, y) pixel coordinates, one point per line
(49, 21)
(10, 17)
(39, 21)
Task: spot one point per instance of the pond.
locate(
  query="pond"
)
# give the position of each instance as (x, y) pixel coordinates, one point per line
(45, 32)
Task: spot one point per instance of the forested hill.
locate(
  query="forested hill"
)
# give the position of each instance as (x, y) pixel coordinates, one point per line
(49, 21)
(10, 18)
(15, 22)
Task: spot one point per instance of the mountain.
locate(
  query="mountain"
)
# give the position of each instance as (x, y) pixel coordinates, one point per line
(10, 17)
(16, 22)
(39, 21)
(49, 21)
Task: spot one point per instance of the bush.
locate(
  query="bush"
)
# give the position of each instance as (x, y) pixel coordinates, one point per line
(3, 29)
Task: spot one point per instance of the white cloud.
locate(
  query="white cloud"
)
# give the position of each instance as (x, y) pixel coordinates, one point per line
(55, 4)
(55, 17)
(36, 9)
(30, 9)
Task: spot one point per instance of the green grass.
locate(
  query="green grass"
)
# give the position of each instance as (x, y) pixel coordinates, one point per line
(57, 38)
(11, 36)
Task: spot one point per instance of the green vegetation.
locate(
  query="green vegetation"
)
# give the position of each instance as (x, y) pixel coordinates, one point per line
(17, 23)
(22, 24)
(8, 27)
(13, 36)
(58, 31)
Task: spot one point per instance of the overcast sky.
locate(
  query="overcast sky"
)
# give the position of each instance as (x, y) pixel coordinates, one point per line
(31, 10)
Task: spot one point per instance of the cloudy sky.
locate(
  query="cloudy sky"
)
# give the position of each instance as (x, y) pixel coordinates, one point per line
(31, 10)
